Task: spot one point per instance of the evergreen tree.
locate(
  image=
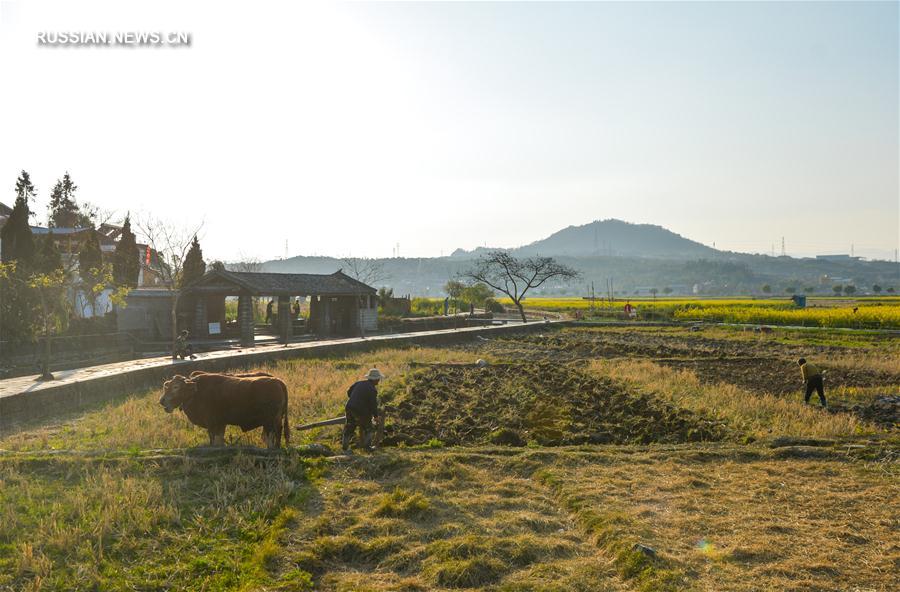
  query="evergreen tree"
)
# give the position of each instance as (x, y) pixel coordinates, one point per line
(17, 242)
(64, 210)
(48, 258)
(90, 267)
(18, 314)
(89, 254)
(89, 257)
(194, 266)
(126, 260)
(25, 188)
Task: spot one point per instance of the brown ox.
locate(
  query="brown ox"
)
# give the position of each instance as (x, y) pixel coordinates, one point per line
(214, 401)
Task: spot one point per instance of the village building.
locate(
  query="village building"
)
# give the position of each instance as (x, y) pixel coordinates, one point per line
(334, 305)
(68, 242)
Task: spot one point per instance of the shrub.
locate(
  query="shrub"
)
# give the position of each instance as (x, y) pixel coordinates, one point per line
(506, 437)
(493, 306)
(426, 306)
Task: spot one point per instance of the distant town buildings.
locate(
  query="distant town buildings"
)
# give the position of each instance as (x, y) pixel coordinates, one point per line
(837, 258)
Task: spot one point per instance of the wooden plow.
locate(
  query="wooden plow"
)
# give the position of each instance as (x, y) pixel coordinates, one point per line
(379, 426)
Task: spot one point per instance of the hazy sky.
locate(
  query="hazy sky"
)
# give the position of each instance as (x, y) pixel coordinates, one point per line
(349, 128)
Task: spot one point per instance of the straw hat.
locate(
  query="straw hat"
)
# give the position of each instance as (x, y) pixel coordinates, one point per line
(374, 374)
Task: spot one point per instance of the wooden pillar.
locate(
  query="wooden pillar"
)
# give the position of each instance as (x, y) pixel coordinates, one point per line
(200, 317)
(245, 319)
(215, 312)
(325, 316)
(286, 323)
(312, 321)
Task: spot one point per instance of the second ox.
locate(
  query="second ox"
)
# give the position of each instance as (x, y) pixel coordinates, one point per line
(214, 401)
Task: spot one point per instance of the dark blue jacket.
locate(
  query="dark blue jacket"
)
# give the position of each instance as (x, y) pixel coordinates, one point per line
(363, 398)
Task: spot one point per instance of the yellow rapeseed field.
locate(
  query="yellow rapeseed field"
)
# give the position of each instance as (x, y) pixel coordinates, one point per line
(561, 304)
(885, 316)
(881, 313)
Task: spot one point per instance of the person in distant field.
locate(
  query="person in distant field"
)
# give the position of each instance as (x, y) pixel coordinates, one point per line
(182, 349)
(629, 309)
(361, 408)
(297, 308)
(446, 306)
(269, 312)
(471, 309)
(812, 376)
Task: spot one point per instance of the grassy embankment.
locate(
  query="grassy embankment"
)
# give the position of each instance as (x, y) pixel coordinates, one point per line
(111, 499)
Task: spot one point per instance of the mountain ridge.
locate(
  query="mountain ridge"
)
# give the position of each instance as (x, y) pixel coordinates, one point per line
(612, 238)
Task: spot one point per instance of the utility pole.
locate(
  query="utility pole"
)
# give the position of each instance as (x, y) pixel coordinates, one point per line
(782, 247)
(851, 250)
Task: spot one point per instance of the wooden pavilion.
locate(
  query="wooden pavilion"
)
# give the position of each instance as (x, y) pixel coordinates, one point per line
(338, 304)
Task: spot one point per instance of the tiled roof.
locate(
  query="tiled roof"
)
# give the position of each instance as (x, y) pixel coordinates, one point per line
(285, 284)
(56, 231)
(68, 231)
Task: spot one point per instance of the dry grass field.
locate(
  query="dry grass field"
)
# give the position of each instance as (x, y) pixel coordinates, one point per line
(578, 459)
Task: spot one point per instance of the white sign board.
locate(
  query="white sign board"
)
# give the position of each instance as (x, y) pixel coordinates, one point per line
(215, 328)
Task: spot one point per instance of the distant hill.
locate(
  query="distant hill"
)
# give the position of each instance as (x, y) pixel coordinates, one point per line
(633, 257)
(612, 238)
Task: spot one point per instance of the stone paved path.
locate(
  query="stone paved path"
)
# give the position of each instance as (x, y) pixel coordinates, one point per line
(24, 384)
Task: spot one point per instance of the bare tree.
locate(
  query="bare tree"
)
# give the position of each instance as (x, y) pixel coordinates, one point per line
(515, 277)
(246, 263)
(171, 243)
(367, 271)
(97, 214)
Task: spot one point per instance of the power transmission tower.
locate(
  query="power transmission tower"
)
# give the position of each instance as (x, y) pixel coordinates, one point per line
(782, 247)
